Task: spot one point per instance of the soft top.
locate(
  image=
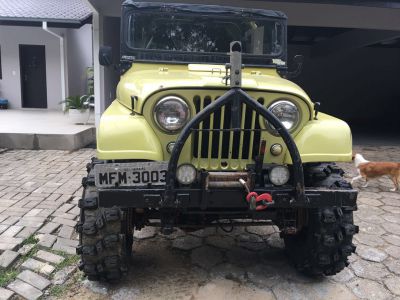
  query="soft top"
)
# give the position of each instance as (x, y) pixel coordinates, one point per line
(207, 9)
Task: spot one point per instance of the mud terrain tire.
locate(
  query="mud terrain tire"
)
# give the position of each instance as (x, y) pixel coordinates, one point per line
(324, 244)
(104, 247)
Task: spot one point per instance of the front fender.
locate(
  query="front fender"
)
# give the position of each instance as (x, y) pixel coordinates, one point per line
(327, 139)
(122, 135)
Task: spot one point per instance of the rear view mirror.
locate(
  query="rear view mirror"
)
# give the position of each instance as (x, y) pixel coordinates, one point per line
(105, 56)
(298, 59)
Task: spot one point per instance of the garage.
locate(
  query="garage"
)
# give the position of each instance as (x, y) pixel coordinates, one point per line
(350, 49)
(357, 83)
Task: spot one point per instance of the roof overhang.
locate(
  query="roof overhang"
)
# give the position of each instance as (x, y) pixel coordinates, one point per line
(36, 22)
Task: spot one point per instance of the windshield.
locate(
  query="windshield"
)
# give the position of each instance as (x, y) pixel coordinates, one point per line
(204, 34)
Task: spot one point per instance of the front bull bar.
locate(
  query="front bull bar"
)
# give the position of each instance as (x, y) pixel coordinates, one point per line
(237, 96)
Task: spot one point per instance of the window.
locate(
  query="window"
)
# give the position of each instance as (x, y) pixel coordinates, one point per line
(259, 36)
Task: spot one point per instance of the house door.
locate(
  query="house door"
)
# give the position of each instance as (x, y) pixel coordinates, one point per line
(33, 76)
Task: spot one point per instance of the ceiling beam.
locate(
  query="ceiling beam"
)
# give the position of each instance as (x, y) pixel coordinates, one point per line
(368, 3)
(323, 13)
(353, 39)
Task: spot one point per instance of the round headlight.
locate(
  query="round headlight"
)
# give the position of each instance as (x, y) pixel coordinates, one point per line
(279, 175)
(171, 114)
(287, 113)
(186, 174)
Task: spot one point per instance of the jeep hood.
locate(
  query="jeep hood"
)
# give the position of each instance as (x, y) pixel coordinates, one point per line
(143, 80)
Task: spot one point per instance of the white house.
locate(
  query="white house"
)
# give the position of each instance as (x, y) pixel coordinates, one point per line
(45, 51)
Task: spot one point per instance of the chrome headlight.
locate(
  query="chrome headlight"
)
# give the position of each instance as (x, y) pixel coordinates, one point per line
(287, 112)
(171, 114)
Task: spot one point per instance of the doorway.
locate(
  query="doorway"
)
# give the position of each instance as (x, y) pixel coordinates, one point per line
(33, 76)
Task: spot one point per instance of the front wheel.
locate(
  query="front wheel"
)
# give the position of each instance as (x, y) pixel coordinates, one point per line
(104, 244)
(323, 246)
(325, 241)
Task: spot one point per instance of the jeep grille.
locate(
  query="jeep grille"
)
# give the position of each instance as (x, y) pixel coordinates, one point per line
(216, 144)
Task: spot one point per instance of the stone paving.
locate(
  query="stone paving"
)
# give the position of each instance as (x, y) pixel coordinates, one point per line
(249, 263)
(38, 195)
(39, 192)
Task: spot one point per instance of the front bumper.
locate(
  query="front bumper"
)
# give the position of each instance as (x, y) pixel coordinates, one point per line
(227, 199)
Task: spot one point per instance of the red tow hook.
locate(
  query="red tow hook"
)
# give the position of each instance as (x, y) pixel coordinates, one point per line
(259, 202)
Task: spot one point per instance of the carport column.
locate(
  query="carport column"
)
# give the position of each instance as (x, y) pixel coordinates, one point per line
(99, 99)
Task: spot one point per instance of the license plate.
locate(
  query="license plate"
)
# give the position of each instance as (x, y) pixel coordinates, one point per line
(130, 174)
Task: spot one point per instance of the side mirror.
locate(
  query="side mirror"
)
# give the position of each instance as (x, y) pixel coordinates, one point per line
(106, 56)
(298, 61)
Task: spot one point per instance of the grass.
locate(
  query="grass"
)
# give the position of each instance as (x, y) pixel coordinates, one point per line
(57, 290)
(6, 276)
(30, 254)
(30, 240)
(60, 290)
(69, 260)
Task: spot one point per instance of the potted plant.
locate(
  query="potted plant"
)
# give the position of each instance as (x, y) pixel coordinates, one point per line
(77, 108)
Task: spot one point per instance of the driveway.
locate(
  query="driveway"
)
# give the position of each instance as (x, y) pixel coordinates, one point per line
(214, 264)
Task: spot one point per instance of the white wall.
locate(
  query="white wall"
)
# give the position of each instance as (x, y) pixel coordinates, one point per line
(80, 49)
(10, 86)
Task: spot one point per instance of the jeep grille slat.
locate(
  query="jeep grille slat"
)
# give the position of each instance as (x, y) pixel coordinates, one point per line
(216, 144)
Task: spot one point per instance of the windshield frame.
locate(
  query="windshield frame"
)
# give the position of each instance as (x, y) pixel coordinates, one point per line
(129, 53)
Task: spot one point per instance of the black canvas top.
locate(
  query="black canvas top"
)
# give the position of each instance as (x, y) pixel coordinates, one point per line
(207, 9)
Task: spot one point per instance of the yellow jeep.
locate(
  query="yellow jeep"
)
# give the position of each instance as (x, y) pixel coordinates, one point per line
(206, 131)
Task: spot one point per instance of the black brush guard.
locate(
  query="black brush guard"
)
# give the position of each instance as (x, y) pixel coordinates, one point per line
(236, 97)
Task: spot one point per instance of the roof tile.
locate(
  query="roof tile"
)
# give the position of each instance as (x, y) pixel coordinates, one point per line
(45, 10)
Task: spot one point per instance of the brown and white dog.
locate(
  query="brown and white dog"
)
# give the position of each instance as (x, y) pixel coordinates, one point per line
(369, 170)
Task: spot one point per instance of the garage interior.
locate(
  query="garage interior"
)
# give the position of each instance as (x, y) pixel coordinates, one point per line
(359, 84)
(351, 58)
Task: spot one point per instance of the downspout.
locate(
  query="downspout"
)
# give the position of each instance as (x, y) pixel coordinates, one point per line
(62, 58)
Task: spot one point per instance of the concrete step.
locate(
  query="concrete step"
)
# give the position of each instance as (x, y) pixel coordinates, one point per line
(42, 141)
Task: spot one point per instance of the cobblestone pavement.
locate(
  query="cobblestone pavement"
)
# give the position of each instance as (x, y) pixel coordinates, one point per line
(39, 192)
